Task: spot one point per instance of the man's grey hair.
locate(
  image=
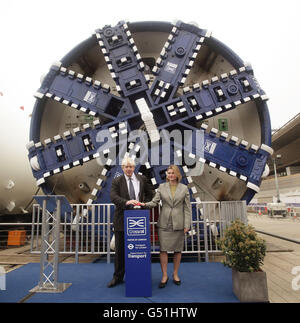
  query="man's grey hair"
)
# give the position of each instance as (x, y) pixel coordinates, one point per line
(127, 161)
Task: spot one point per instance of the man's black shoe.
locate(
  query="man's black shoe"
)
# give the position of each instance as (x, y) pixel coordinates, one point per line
(114, 282)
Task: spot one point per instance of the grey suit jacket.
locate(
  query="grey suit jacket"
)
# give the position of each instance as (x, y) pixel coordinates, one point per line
(179, 207)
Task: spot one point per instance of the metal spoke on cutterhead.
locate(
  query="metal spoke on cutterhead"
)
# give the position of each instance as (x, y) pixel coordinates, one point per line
(81, 93)
(123, 59)
(231, 155)
(215, 97)
(176, 60)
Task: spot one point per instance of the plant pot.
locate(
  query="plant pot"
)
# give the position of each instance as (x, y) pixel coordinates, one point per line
(250, 286)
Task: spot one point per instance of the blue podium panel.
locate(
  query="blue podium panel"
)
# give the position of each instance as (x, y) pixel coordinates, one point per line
(137, 253)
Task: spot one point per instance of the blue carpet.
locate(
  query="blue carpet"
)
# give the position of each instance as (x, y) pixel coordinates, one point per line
(201, 282)
(19, 282)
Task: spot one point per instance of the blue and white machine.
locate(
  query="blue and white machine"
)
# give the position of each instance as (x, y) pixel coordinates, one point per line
(150, 77)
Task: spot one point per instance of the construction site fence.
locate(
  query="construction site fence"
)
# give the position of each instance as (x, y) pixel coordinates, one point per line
(89, 229)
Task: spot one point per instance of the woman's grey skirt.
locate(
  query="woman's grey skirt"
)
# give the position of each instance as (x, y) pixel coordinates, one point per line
(170, 240)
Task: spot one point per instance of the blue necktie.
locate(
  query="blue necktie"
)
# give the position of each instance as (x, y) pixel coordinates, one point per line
(131, 190)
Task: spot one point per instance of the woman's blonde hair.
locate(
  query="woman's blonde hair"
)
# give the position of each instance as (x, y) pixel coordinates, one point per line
(176, 171)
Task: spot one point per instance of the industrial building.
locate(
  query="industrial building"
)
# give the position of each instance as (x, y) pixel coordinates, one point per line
(286, 143)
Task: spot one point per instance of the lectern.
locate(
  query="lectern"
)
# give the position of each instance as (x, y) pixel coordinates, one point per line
(52, 208)
(137, 253)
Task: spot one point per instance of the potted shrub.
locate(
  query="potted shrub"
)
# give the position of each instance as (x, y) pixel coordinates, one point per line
(244, 252)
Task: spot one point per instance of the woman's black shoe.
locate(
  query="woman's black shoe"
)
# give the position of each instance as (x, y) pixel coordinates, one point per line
(162, 285)
(176, 282)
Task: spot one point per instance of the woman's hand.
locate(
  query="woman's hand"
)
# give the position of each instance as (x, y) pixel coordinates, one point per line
(186, 230)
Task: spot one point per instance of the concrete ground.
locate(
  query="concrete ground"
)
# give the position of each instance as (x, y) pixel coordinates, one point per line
(282, 261)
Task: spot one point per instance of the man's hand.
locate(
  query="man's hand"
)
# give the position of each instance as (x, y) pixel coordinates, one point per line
(132, 202)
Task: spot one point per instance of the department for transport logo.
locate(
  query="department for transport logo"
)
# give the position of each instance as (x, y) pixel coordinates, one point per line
(136, 226)
(130, 246)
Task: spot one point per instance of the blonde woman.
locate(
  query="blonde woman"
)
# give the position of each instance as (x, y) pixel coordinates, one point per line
(173, 222)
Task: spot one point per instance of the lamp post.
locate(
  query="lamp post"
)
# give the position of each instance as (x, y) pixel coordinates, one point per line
(276, 179)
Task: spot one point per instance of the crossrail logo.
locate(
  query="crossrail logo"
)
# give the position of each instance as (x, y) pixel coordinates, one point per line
(136, 226)
(90, 97)
(134, 223)
(2, 278)
(210, 146)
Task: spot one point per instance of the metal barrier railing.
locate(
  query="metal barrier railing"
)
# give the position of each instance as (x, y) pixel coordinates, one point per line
(232, 210)
(88, 229)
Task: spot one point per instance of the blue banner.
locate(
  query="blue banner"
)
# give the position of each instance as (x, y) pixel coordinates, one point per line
(137, 253)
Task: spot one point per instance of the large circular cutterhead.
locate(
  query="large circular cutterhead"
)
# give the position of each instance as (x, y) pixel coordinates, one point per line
(160, 93)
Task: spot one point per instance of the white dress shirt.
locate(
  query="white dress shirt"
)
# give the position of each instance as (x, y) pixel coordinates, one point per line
(136, 185)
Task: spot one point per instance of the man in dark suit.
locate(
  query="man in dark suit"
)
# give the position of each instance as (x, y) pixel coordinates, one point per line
(126, 191)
